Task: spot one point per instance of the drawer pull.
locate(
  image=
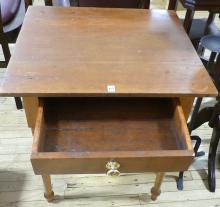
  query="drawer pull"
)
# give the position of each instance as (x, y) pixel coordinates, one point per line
(112, 167)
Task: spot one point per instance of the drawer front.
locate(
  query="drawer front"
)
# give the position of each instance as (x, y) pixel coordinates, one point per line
(158, 157)
(67, 165)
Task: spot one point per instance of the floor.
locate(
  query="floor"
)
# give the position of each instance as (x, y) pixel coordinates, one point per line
(20, 187)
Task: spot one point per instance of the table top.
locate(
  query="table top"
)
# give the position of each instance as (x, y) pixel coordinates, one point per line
(104, 52)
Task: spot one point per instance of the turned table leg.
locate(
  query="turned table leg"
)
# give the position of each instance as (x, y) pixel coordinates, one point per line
(211, 160)
(155, 191)
(48, 194)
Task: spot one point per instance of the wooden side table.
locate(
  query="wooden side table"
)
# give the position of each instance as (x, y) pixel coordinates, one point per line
(101, 90)
(213, 6)
(209, 114)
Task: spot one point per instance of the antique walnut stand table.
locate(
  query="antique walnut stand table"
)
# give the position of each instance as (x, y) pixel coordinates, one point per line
(103, 90)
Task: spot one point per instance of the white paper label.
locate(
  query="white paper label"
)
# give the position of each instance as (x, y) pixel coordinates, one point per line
(111, 88)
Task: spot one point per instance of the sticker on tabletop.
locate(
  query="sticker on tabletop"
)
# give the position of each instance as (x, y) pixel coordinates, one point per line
(111, 88)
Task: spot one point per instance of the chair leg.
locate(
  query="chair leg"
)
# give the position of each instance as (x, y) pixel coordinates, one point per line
(188, 20)
(197, 145)
(18, 103)
(191, 124)
(172, 5)
(209, 21)
(211, 159)
(6, 51)
(48, 2)
(211, 63)
(179, 182)
(7, 55)
(28, 3)
(194, 114)
(145, 4)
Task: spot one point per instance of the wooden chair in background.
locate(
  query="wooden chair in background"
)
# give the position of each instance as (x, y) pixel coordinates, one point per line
(114, 4)
(101, 3)
(197, 28)
(12, 14)
(210, 114)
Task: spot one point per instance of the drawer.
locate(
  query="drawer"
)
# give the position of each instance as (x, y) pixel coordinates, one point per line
(81, 135)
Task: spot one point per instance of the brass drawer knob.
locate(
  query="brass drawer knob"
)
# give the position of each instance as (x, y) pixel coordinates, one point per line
(112, 167)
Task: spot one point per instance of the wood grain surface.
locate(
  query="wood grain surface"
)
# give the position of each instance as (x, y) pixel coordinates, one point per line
(112, 124)
(80, 51)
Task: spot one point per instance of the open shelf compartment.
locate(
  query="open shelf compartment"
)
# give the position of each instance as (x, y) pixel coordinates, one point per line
(94, 130)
